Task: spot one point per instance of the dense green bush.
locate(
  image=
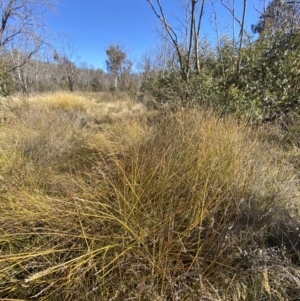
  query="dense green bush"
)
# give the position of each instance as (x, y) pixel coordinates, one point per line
(202, 89)
(268, 83)
(265, 86)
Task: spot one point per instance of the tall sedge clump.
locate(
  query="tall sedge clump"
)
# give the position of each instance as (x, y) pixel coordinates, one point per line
(197, 202)
(179, 206)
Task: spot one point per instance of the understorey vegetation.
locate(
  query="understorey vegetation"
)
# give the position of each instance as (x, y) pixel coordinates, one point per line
(109, 200)
(174, 180)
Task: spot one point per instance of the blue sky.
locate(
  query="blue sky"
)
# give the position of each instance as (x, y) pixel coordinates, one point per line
(95, 24)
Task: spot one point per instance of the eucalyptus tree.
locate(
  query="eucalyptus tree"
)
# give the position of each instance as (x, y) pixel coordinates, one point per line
(279, 16)
(117, 64)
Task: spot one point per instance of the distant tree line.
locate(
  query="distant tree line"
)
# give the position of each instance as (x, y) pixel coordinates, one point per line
(254, 73)
(29, 63)
(57, 71)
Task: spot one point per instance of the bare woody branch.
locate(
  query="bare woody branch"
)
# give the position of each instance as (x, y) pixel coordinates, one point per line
(171, 33)
(192, 35)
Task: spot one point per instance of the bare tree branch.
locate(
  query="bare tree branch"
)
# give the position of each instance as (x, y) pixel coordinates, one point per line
(218, 39)
(171, 33)
(197, 35)
(232, 12)
(186, 49)
(238, 66)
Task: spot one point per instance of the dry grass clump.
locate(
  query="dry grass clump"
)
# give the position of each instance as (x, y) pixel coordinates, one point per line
(46, 137)
(40, 139)
(186, 207)
(61, 100)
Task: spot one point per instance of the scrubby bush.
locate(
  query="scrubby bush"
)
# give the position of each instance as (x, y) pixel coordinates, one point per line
(265, 87)
(268, 83)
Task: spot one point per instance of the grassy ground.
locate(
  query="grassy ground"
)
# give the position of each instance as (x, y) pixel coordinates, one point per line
(104, 200)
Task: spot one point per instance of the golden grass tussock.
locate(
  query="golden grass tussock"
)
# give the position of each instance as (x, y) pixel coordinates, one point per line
(176, 206)
(61, 100)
